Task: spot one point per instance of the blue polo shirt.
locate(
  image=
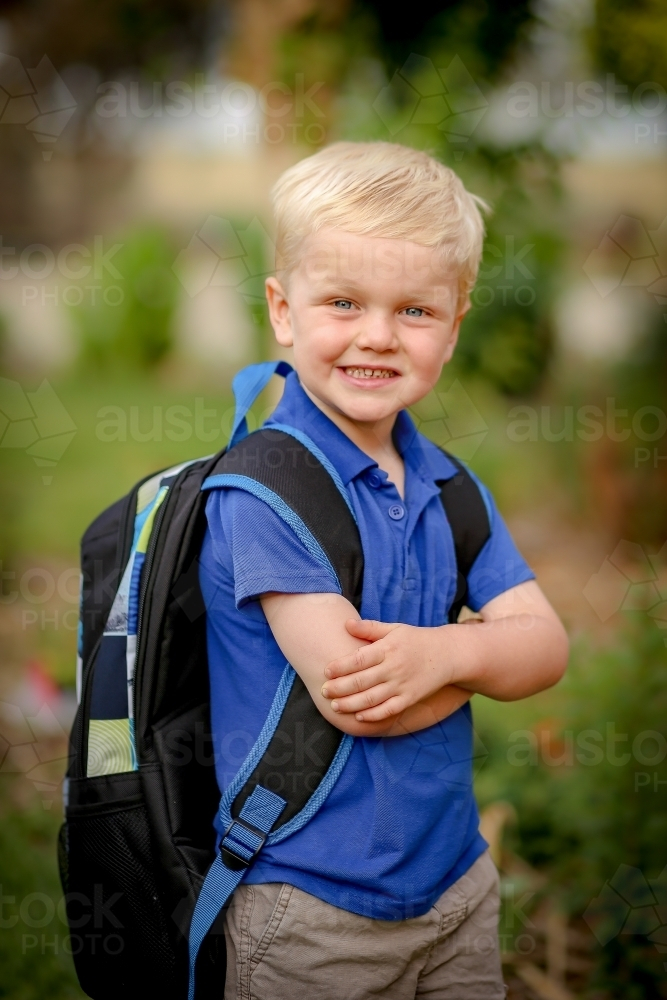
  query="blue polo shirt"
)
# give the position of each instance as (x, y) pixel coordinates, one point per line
(401, 823)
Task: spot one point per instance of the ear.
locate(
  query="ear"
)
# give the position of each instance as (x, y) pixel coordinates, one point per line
(279, 312)
(454, 333)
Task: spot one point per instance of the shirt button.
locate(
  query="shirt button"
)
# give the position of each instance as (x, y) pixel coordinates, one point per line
(374, 480)
(396, 512)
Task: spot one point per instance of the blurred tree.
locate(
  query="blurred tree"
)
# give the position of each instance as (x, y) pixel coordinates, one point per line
(492, 31)
(159, 36)
(629, 38)
(640, 385)
(130, 323)
(584, 818)
(357, 69)
(257, 25)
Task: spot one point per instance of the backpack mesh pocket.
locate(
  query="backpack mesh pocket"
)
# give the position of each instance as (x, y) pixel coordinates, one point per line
(120, 934)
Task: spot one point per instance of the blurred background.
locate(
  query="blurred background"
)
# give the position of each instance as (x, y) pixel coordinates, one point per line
(138, 144)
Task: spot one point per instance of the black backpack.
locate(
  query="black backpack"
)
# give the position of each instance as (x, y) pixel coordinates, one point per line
(139, 863)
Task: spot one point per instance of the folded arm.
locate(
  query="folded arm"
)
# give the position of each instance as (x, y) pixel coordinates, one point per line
(518, 648)
(376, 679)
(311, 631)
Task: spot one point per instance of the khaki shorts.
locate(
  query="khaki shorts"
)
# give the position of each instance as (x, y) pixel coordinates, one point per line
(284, 944)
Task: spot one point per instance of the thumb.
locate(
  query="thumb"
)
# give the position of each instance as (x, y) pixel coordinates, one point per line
(366, 628)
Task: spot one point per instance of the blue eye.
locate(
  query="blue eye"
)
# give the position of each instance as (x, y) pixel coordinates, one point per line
(343, 303)
(414, 311)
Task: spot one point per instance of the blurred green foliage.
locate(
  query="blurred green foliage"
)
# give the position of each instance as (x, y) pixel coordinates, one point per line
(629, 38)
(584, 766)
(125, 430)
(640, 385)
(507, 337)
(489, 33)
(161, 37)
(612, 469)
(35, 948)
(258, 263)
(129, 323)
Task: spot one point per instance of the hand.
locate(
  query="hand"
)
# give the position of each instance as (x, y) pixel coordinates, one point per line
(402, 665)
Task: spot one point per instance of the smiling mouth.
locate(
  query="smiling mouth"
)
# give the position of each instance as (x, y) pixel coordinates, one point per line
(356, 372)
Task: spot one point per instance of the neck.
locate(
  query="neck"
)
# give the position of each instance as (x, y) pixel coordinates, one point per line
(374, 438)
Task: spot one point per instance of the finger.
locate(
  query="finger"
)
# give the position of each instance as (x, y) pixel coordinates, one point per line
(363, 701)
(354, 683)
(391, 707)
(360, 659)
(367, 628)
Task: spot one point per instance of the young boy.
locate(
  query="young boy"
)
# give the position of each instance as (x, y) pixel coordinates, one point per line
(389, 891)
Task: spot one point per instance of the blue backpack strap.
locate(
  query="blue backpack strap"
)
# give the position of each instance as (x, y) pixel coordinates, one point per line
(247, 385)
(290, 473)
(247, 829)
(243, 840)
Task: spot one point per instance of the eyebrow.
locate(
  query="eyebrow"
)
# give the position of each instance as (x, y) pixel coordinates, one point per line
(335, 286)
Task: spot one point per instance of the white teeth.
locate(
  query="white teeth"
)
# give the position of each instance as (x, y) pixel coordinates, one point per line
(370, 372)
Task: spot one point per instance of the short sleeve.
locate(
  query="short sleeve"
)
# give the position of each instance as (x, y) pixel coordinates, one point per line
(499, 566)
(261, 551)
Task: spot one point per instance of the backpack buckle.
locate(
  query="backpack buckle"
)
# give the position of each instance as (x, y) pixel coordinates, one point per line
(241, 844)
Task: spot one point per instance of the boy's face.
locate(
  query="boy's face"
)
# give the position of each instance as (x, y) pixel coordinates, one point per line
(371, 321)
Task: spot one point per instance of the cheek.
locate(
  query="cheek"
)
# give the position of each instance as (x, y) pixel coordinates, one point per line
(324, 342)
(427, 352)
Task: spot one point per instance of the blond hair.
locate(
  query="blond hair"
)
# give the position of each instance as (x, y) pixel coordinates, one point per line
(380, 189)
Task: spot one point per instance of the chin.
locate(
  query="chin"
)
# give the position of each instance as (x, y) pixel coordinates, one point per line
(366, 411)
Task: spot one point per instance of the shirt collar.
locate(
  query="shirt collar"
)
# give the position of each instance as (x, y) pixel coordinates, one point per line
(422, 455)
(296, 409)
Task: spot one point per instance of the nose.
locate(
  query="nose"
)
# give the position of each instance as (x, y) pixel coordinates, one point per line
(377, 332)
